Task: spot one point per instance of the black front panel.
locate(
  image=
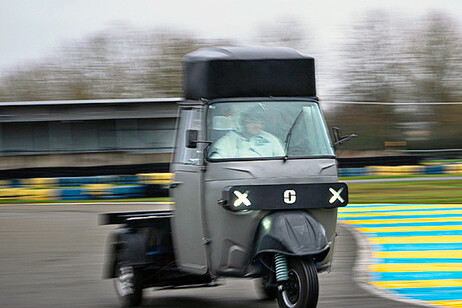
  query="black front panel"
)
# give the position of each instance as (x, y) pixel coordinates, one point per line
(285, 197)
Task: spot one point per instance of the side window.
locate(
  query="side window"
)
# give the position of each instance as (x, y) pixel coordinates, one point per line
(189, 119)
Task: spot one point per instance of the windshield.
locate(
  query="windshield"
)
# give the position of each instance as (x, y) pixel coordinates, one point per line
(266, 130)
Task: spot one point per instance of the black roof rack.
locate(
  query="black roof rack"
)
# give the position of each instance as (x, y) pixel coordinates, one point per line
(222, 72)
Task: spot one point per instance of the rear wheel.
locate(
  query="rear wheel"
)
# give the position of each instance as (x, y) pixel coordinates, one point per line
(128, 285)
(301, 290)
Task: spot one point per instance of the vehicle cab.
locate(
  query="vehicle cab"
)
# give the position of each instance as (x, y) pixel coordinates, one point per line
(255, 185)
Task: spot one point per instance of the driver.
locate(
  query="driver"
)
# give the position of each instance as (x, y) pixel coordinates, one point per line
(250, 140)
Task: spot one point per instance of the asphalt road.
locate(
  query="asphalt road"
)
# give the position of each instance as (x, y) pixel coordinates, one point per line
(52, 255)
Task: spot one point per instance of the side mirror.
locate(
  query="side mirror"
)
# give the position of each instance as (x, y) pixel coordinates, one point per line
(336, 133)
(191, 138)
(338, 138)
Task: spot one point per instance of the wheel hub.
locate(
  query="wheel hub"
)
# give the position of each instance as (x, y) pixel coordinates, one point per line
(291, 291)
(124, 281)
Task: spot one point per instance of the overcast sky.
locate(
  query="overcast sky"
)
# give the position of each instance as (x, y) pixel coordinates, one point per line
(31, 29)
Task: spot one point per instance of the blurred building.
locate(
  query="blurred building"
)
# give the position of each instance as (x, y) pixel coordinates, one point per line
(141, 131)
(86, 133)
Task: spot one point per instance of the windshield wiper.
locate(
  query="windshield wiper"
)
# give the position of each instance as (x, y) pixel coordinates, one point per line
(289, 134)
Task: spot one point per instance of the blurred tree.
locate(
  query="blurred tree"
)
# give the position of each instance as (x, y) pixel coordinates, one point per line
(387, 60)
(397, 60)
(367, 72)
(120, 62)
(164, 66)
(434, 70)
(371, 56)
(435, 60)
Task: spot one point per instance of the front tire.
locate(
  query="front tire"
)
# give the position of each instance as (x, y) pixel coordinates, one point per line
(302, 288)
(128, 285)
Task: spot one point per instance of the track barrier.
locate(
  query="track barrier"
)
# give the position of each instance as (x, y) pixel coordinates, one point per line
(86, 188)
(156, 184)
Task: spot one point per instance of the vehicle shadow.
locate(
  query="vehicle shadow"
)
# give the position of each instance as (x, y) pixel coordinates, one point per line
(195, 302)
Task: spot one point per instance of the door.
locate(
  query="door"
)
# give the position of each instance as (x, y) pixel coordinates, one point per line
(187, 224)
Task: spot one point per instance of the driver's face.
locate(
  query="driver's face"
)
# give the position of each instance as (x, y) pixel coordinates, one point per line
(253, 128)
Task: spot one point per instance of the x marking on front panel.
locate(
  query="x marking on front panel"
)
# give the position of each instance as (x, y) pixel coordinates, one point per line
(241, 198)
(336, 195)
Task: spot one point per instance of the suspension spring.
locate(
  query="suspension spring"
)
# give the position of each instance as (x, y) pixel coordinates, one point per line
(280, 262)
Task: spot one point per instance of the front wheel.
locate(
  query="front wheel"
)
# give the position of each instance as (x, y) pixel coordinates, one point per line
(128, 285)
(301, 290)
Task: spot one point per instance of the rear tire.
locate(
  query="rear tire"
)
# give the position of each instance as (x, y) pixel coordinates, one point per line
(302, 288)
(128, 285)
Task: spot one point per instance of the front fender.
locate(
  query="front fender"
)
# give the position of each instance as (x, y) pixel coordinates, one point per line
(294, 233)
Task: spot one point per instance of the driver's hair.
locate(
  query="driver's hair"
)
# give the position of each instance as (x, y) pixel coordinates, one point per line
(251, 115)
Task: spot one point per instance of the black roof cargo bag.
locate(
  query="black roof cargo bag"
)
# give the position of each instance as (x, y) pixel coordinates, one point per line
(222, 72)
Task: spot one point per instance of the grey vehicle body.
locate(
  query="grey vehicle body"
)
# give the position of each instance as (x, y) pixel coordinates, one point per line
(209, 238)
(234, 213)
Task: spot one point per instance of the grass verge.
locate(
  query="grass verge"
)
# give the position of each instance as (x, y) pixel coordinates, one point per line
(407, 192)
(371, 177)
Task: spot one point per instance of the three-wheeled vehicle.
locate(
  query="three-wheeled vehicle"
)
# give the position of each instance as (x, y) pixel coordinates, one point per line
(255, 184)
